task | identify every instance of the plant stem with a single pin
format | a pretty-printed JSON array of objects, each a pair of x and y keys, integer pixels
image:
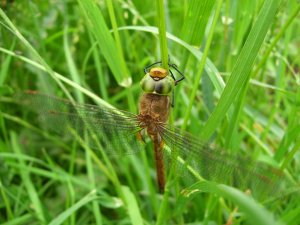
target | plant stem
[{"x": 162, "y": 33}]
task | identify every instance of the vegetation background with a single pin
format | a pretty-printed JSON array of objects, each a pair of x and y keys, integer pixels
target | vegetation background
[{"x": 95, "y": 51}]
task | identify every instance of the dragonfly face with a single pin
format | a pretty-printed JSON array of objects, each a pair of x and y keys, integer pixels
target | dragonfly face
[{"x": 157, "y": 81}]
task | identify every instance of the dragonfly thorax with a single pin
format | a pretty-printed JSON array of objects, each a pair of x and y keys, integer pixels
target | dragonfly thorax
[{"x": 154, "y": 111}]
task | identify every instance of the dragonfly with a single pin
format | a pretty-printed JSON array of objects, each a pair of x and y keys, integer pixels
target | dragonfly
[{"x": 121, "y": 132}]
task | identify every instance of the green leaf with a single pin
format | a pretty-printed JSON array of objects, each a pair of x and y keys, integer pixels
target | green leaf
[
  {"x": 64, "y": 215},
  {"x": 30, "y": 188},
  {"x": 195, "y": 20},
  {"x": 106, "y": 42},
  {"x": 255, "y": 213},
  {"x": 132, "y": 206},
  {"x": 241, "y": 71}
]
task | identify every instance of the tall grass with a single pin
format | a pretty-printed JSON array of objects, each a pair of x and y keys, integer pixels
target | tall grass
[{"x": 241, "y": 91}]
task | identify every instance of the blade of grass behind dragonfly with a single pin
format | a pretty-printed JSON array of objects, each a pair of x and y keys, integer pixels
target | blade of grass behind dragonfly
[
  {"x": 102, "y": 82},
  {"x": 124, "y": 192},
  {"x": 72, "y": 66},
  {"x": 291, "y": 135},
  {"x": 5, "y": 64},
  {"x": 280, "y": 33},
  {"x": 162, "y": 33},
  {"x": 92, "y": 183},
  {"x": 279, "y": 84},
  {"x": 196, "y": 16},
  {"x": 132, "y": 206},
  {"x": 195, "y": 21},
  {"x": 59, "y": 77},
  {"x": 28, "y": 183},
  {"x": 107, "y": 44},
  {"x": 62, "y": 217},
  {"x": 256, "y": 214},
  {"x": 109, "y": 171},
  {"x": 127, "y": 80},
  {"x": 241, "y": 71},
  {"x": 34, "y": 52},
  {"x": 200, "y": 69}
]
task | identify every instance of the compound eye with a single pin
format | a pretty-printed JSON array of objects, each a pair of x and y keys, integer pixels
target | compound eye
[
  {"x": 148, "y": 84},
  {"x": 163, "y": 87}
]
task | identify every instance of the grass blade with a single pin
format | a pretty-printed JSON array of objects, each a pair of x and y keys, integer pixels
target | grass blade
[
  {"x": 256, "y": 214},
  {"x": 195, "y": 21},
  {"x": 33, "y": 195},
  {"x": 201, "y": 66},
  {"x": 241, "y": 71},
  {"x": 132, "y": 206},
  {"x": 106, "y": 42},
  {"x": 162, "y": 33},
  {"x": 64, "y": 215}
]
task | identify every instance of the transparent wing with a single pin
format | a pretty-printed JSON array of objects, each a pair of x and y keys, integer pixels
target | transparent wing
[
  {"x": 116, "y": 130},
  {"x": 217, "y": 165}
]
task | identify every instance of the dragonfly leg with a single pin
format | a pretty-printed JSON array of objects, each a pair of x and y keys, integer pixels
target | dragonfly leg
[
  {"x": 178, "y": 71},
  {"x": 146, "y": 70},
  {"x": 140, "y": 137}
]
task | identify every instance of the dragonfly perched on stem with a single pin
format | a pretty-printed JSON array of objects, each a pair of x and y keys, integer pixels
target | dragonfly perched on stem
[{"x": 121, "y": 132}]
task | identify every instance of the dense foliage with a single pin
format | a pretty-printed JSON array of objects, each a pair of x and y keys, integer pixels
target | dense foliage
[{"x": 241, "y": 61}]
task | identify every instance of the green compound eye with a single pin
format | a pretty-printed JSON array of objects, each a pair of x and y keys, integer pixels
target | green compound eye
[
  {"x": 162, "y": 86},
  {"x": 147, "y": 84}
]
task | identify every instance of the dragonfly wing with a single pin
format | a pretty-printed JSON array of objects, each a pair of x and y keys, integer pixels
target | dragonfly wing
[
  {"x": 217, "y": 165},
  {"x": 113, "y": 130}
]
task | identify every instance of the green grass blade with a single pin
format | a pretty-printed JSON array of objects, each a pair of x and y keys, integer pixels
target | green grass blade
[
  {"x": 35, "y": 53},
  {"x": 99, "y": 68},
  {"x": 72, "y": 66},
  {"x": 132, "y": 207},
  {"x": 24, "y": 219},
  {"x": 201, "y": 66},
  {"x": 30, "y": 188},
  {"x": 162, "y": 33},
  {"x": 241, "y": 71},
  {"x": 255, "y": 213},
  {"x": 106, "y": 42},
  {"x": 5, "y": 198},
  {"x": 91, "y": 175},
  {"x": 195, "y": 21},
  {"x": 67, "y": 213},
  {"x": 277, "y": 38},
  {"x": 61, "y": 78},
  {"x": 5, "y": 66}
]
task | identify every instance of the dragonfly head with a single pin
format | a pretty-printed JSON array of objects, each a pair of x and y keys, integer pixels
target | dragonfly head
[{"x": 157, "y": 81}]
